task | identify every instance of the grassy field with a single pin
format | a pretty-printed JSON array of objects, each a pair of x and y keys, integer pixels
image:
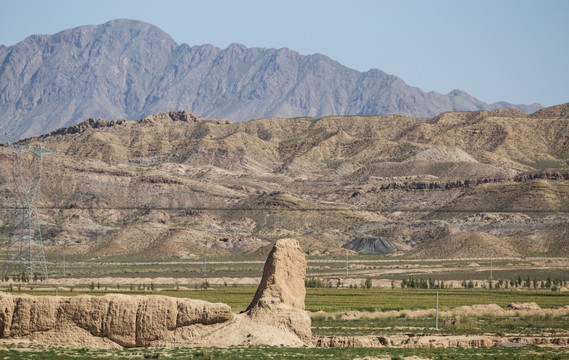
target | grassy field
[
  {"x": 376, "y": 267},
  {"x": 332, "y": 302},
  {"x": 20, "y": 352},
  {"x": 523, "y": 325},
  {"x": 346, "y": 299},
  {"x": 326, "y": 304}
]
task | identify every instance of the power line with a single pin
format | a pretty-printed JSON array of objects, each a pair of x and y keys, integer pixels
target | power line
[{"x": 284, "y": 209}]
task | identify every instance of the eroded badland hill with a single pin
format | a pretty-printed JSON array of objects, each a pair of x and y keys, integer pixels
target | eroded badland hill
[{"x": 462, "y": 184}]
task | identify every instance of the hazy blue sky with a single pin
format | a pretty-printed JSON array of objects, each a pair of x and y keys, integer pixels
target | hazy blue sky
[{"x": 511, "y": 50}]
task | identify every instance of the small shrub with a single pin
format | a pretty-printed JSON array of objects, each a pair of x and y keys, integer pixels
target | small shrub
[
  {"x": 313, "y": 283},
  {"x": 203, "y": 354}
]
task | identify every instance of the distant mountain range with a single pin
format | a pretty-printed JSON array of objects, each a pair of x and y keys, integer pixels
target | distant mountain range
[{"x": 128, "y": 69}]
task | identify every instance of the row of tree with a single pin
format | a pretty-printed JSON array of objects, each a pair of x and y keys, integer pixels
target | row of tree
[
  {"x": 420, "y": 283},
  {"x": 412, "y": 283},
  {"x": 23, "y": 277},
  {"x": 523, "y": 284}
]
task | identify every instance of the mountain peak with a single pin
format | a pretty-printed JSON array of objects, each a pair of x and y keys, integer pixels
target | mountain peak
[
  {"x": 236, "y": 46},
  {"x": 132, "y": 26},
  {"x": 458, "y": 92},
  {"x": 118, "y": 30},
  {"x": 128, "y": 69}
]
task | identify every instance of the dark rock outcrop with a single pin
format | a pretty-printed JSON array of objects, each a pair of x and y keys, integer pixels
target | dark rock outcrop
[
  {"x": 372, "y": 245},
  {"x": 546, "y": 174}
]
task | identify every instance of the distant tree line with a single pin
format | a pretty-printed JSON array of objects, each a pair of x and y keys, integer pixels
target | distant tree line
[
  {"x": 412, "y": 283},
  {"x": 528, "y": 283},
  {"x": 518, "y": 283}
]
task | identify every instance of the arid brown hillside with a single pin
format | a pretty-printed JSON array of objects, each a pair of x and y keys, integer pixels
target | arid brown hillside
[{"x": 171, "y": 183}]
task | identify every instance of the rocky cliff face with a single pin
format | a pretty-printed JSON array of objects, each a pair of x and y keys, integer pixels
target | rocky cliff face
[
  {"x": 127, "y": 321},
  {"x": 129, "y": 69},
  {"x": 276, "y": 316},
  {"x": 279, "y": 300}
]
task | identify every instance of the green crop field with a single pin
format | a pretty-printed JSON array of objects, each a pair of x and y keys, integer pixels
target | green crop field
[
  {"x": 24, "y": 352},
  {"x": 346, "y": 299},
  {"x": 374, "y": 266},
  {"x": 332, "y": 300},
  {"x": 328, "y": 305},
  {"x": 523, "y": 325}
]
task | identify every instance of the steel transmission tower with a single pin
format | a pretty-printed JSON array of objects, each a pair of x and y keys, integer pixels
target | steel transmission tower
[{"x": 25, "y": 255}]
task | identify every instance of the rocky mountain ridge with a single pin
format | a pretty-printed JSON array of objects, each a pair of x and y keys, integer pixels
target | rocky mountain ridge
[{"x": 128, "y": 69}]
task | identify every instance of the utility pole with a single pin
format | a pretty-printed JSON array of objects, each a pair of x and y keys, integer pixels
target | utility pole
[
  {"x": 490, "y": 267},
  {"x": 64, "y": 248},
  {"x": 205, "y": 259},
  {"x": 347, "y": 267},
  {"x": 437, "y": 313}
]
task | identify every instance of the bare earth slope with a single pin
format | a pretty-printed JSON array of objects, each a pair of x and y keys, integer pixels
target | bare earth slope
[{"x": 495, "y": 181}]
